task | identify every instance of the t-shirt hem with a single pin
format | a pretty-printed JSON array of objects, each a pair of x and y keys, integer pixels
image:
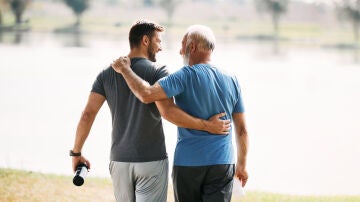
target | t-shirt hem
[
  {"x": 138, "y": 159},
  {"x": 203, "y": 163},
  {"x": 98, "y": 92}
]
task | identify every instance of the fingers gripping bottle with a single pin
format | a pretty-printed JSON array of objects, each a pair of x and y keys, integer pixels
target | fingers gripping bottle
[{"x": 80, "y": 174}]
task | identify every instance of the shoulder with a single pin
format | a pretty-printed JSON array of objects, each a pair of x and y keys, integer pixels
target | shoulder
[
  {"x": 143, "y": 62},
  {"x": 105, "y": 71}
]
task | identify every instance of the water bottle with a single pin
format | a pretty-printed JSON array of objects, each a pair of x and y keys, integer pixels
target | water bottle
[
  {"x": 238, "y": 190},
  {"x": 80, "y": 174}
]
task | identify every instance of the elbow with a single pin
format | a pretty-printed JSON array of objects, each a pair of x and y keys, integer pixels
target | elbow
[
  {"x": 165, "y": 115},
  {"x": 87, "y": 116},
  {"x": 146, "y": 100},
  {"x": 241, "y": 132},
  {"x": 172, "y": 118},
  {"x": 146, "y": 97}
]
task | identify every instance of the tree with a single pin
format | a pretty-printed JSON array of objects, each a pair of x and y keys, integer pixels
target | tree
[
  {"x": 78, "y": 6},
  {"x": 1, "y": 19},
  {"x": 18, "y": 7},
  {"x": 2, "y": 5},
  {"x": 148, "y": 3},
  {"x": 276, "y": 8},
  {"x": 169, "y": 6},
  {"x": 350, "y": 10}
]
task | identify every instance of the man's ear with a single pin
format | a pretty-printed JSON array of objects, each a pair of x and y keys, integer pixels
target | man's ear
[
  {"x": 192, "y": 47},
  {"x": 145, "y": 40}
]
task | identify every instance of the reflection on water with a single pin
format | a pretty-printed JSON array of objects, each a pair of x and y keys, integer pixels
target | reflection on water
[
  {"x": 14, "y": 37},
  {"x": 301, "y": 106},
  {"x": 21, "y": 37},
  {"x": 71, "y": 40},
  {"x": 356, "y": 56}
]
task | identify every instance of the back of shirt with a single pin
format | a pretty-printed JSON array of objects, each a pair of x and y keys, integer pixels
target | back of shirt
[
  {"x": 137, "y": 133},
  {"x": 203, "y": 91}
]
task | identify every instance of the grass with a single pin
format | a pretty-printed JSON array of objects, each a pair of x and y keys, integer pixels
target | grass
[
  {"x": 16, "y": 185},
  {"x": 19, "y": 185}
]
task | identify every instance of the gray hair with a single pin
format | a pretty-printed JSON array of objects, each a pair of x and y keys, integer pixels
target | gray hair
[{"x": 202, "y": 35}]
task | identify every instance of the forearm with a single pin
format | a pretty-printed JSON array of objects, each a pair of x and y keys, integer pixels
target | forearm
[
  {"x": 140, "y": 88},
  {"x": 82, "y": 131},
  {"x": 178, "y": 117},
  {"x": 241, "y": 138},
  {"x": 242, "y": 146}
]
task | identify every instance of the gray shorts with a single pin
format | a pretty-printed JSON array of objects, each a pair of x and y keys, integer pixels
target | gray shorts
[{"x": 140, "y": 181}]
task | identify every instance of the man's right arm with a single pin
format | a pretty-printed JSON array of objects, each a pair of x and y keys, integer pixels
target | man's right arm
[
  {"x": 95, "y": 101},
  {"x": 242, "y": 146}
]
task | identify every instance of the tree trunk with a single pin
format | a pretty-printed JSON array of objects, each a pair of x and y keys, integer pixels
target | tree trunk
[
  {"x": 356, "y": 31},
  {"x": 356, "y": 22},
  {"x": 78, "y": 18},
  {"x": 275, "y": 19},
  {"x": 1, "y": 20},
  {"x": 18, "y": 18}
]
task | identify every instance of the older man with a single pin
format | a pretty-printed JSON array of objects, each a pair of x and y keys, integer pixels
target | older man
[{"x": 203, "y": 163}]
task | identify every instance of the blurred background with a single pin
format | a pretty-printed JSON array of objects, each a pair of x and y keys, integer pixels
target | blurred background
[{"x": 297, "y": 61}]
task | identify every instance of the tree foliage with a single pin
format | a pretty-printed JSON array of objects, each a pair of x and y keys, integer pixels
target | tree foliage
[
  {"x": 275, "y": 7},
  {"x": 169, "y": 6},
  {"x": 78, "y": 7},
  {"x": 350, "y": 10},
  {"x": 18, "y": 7},
  {"x": 272, "y": 6}
]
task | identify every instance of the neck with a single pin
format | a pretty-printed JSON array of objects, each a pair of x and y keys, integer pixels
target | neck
[
  {"x": 137, "y": 53},
  {"x": 200, "y": 58}
]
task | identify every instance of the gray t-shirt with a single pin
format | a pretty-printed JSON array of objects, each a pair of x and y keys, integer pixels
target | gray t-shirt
[{"x": 137, "y": 133}]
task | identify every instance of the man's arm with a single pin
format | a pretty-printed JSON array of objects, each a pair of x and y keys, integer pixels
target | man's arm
[
  {"x": 142, "y": 89},
  {"x": 177, "y": 116},
  {"x": 95, "y": 101},
  {"x": 242, "y": 147},
  {"x": 148, "y": 94}
]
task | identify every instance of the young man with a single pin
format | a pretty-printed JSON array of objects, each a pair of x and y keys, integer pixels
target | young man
[
  {"x": 139, "y": 165},
  {"x": 203, "y": 163}
]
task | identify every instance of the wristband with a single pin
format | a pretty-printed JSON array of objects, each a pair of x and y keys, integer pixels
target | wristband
[{"x": 71, "y": 153}]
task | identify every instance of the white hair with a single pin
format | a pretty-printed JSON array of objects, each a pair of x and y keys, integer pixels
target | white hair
[{"x": 202, "y": 35}]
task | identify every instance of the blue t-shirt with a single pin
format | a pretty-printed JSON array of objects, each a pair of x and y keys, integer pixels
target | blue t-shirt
[{"x": 203, "y": 91}]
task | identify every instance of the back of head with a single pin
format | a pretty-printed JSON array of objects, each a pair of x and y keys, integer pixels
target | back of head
[
  {"x": 142, "y": 28},
  {"x": 201, "y": 35}
]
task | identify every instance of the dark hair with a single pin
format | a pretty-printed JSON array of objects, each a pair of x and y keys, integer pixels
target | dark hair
[{"x": 140, "y": 29}]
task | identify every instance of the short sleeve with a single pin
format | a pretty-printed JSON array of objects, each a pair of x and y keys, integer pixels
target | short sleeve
[
  {"x": 161, "y": 72},
  {"x": 239, "y": 105},
  {"x": 98, "y": 85},
  {"x": 173, "y": 84}
]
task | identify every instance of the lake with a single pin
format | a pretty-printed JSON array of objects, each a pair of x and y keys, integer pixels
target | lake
[{"x": 302, "y": 107}]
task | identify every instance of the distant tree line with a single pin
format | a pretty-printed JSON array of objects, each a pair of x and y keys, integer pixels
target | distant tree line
[{"x": 347, "y": 10}]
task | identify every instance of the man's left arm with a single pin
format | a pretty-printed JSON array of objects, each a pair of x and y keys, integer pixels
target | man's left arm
[
  {"x": 177, "y": 116},
  {"x": 242, "y": 146},
  {"x": 141, "y": 89}
]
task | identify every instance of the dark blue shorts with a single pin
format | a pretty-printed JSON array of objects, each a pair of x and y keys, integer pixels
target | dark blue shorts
[{"x": 203, "y": 183}]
